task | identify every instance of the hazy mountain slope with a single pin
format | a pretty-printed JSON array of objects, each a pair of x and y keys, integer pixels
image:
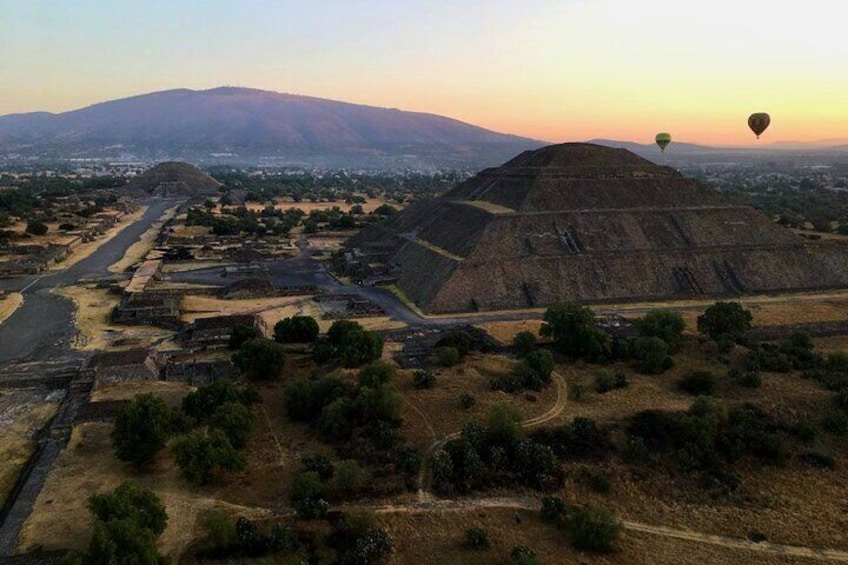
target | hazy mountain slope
[{"x": 246, "y": 122}]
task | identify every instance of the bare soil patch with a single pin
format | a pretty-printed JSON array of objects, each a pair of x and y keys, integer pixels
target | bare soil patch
[{"x": 9, "y": 304}]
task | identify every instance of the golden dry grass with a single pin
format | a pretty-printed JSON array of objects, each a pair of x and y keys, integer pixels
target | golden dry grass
[
  {"x": 22, "y": 413},
  {"x": 504, "y": 332},
  {"x": 92, "y": 317},
  {"x": 138, "y": 250},
  {"x": 179, "y": 267},
  {"x": 9, "y": 304},
  {"x": 437, "y": 410},
  {"x": 171, "y": 392},
  {"x": 437, "y": 538},
  {"x": 60, "y": 519},
  {"x": 87, "y": 249}
]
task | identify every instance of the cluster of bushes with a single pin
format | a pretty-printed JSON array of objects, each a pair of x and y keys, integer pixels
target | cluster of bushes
[
  {"x": 241, "y": 220},
  {"x": 494, "y": 454},
  {"x": 499, "y": 454},
  {"x": 352, "y": 540},
  {"x": 217, "y": 419},
  {"x": 360, "y": 419},
  {"x": 607, "y": 380},
  {"x": 707, "y": 437},
  {"x": 575, "y": 335},
  {"x": 320, "y": 480},
  {"x": 349, "y": 343},
  {"x": 226, "y": 537},
  {"x": 794, "y": 353},
  {"x": 586, "y": 528},
  {"x": 127, "y": 523},
  {"x": 533, "y": 372}
]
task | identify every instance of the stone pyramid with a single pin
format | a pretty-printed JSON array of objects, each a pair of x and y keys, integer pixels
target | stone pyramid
[{"x": 587, "y": 223}]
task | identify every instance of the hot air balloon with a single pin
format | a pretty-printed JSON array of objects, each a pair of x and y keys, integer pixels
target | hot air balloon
[
  {"x": 759, "y": 122},
  {"x": 663, "y": 139}
]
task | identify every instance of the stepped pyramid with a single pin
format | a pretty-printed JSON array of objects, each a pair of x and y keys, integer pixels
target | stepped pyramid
[{"x": 587, "y": 223}]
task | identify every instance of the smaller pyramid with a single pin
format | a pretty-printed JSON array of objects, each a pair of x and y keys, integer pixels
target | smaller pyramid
[{"x": 174, "y": 178}]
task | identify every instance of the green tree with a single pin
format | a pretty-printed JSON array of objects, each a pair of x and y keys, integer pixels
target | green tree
[
  {"x": 241, "y": 334},
  {"x": 349, "y": 477},
  {"x": 235, "y": 420},
  {"x": 523, "y": 555},
  {"x": 127, "y": 523},
  {"x": 524, "y": 343},
  {"x": 130, "y": 502},
  {"x": 652, "y": 353},
  {"x": 592, "y": 529},
  {"x": 504, "y": 423},
  {"x": 142, "y": 428},
  {"x": 202, "y": 457},
  {"x": 573, "y": 330},
  {"x": 203, "y": 402},
  {"x": 664, "y": 324},
  {"x": 477, "y": 538},
  {"x": 725, "y": 319},
  {"x": 297, "y": 329},
  {"x": 121, "y": 542},
  {"x": 307, "y": 495},
  {"x": 260, "y": 359},
  {"x": 36, "y": 228}
]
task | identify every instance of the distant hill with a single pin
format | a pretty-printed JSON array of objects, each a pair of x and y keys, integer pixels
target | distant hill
[{"x": 240, "y": 124}]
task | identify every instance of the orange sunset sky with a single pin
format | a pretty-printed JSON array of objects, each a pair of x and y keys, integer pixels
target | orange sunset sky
[{"x": 551, "y": 70}]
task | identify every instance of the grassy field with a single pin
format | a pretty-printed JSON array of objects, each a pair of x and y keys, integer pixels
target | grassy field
[{"x": 22, "y": 413}]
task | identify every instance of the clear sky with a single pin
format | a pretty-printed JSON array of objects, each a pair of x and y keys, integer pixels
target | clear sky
[{"x": 558, "y": 70}]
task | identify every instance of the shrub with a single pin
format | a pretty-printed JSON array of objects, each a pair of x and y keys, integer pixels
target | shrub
[
  {"x": 349, "y": 477},
  {"x": 477, "y": 538},
  {"x": 459, "y": 340},
  {"x": 203, "y": 402},
  {"x": 607, "y": 380},
  {"x": 664, "y": 324},
  {"x": 36, "y": 228},
  {"x": 599, "y": 482},
  {"x": 523, "y": 555},
  {"x": 698, "y": 383},
  {"x": 553, "y": 509},
  {"x": 203, "y": 457},
  {"x": 220, "y": 536},
  {"x": 307, "y": 496},
  {"x": 241, "y": 334},
  {"x": 446, "y": 356},
  {"x": 142, "y": 428},
  {"x": 836, "y": 424},
  {"x": 747, "y": 379},
  {"x": 235, "y": 420},
  {"x": 524, "y": 343},
  {"x": 423, "y": 379},
  {"x": 297, "y": 329},
  {"x": 652, "y": 353},
  {"x": 575, "y": 392},
  {"x": 129, "y": 501},
  {"x": 260, "y": 359},
  {"x": 320, "y": 464},
  {"x": 592, "y": 529},
  {"x": 466, "y": 401}
]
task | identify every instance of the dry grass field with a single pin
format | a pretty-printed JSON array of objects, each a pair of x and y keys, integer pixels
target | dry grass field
[
  {"x": 95, "y": 331},
  {"x": 437, "y": 538},
  {"x": 22, "y": 414},
  {"x": 9, "y": 304},
  {"x": 434, "y": 413}
]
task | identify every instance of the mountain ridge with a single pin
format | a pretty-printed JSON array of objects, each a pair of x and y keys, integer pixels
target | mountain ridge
[{"x": 185, "y": 123}]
